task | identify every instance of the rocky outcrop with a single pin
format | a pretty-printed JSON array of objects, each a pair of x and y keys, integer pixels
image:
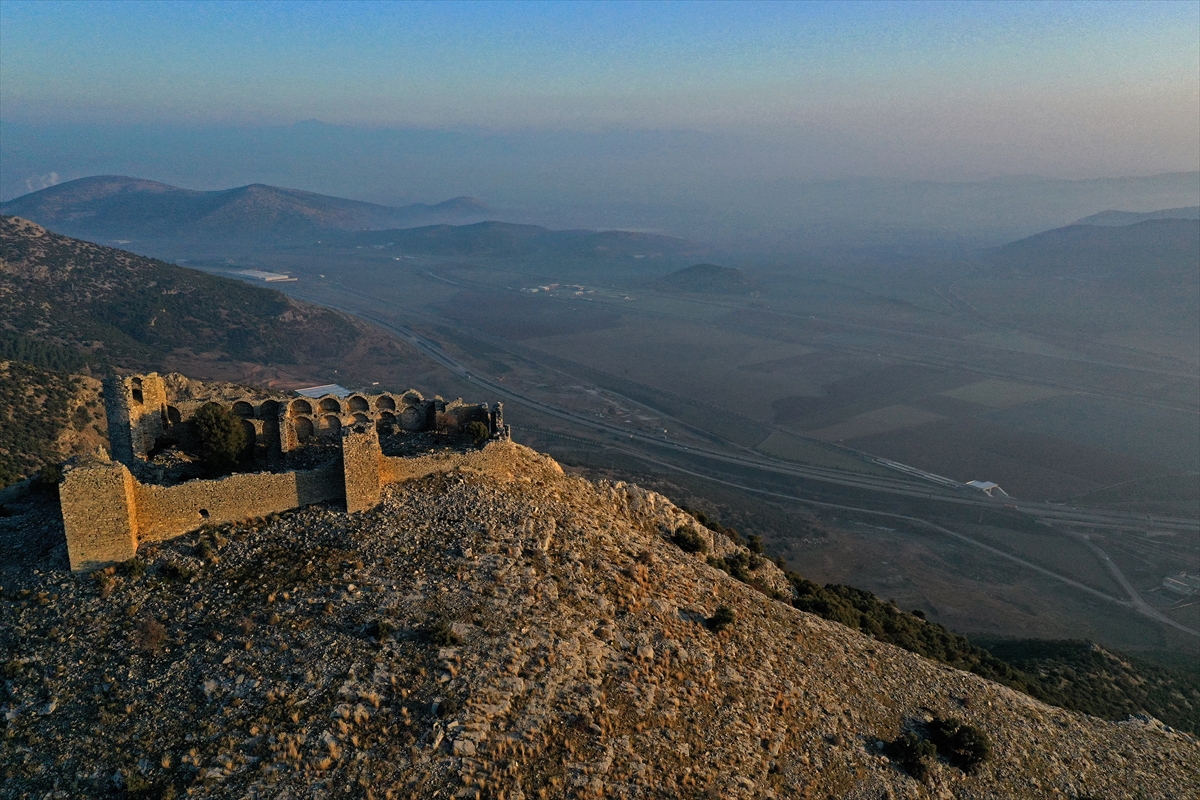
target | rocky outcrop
[{"x": 503, "y": 632}]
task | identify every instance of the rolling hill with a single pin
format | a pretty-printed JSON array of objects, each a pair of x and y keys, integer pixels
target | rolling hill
[
  {"x": 1148, "y": 254},
  {"x": 122, "y": 210},
  {"x": 705, "y": 279}
]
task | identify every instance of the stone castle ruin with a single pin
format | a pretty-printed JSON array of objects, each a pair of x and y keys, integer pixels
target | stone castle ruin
[{"x": 302, "y": 450}]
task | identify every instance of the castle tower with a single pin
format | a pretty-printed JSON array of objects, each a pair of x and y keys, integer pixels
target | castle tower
[
  {"x": 136, "y": 407},
  {"x": 361, "y": 463}
]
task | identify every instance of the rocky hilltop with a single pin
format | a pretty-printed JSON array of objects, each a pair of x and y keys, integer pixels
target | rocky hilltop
[{"x": 500, "y": 631}]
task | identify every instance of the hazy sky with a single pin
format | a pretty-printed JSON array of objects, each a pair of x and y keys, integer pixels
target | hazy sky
[{"x": 746, "y": 91}]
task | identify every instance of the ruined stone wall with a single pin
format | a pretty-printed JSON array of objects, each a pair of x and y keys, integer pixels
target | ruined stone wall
[
  {"x": 164, "y": 512},
  {"x": 107, "y": 512},
  {"x": 99, "y": 510}
]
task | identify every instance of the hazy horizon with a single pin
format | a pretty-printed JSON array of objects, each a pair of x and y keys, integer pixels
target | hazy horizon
[{"x": 727, "y": 120}]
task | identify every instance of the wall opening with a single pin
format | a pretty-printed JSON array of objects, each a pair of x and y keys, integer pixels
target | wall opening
[
  {"x": 362, "y": 419},
  {"x": 386, "y": 420},
  {"x": 243, "y": 409},
  {"x": 330, "y": 425},
  {"x": 204, "y": 513},
  {"x": 136, "y": 385},
  {"x": 304, "y": 428},
  {"x": 331, "y": 404},
  {"x": 173, "y": 417},
  {"x": 301, "y": 407},
  {"x": 357, "y": 403},
  {"x": 385, "y": 403}
]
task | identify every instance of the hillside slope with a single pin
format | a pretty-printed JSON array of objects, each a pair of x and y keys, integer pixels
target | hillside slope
[
  {"x": 504, "y": 631},
  {"x": 112, "y": 208},
  {"x": 128, "y": 309},
  {"x": 46, "y": 417},
  {"x": 1153, "y": 254}
]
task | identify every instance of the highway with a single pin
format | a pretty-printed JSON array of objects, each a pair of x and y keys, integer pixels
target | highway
[{"x": 1045, "y": 512}]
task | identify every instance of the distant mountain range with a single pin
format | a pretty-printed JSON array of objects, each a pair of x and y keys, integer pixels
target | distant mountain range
[
  {"x": 507, "y": 240},
  {"x": 122, "y": 210},
  {"x": 705, "y": 279},
  {"x": 1122, "y": 218}
]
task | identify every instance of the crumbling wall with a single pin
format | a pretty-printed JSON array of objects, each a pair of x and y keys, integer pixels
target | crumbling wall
[
  {"x": 361, "y": 463},
  {"x": 106, "y": 512},
  {"x": 99, "y": 510},
  {"x": 165, "y": 512}
]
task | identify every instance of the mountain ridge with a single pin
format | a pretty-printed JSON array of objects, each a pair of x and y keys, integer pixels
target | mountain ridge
[
  {"x": 116, "y": 208},
  {"x": 1121, "y": 218}
]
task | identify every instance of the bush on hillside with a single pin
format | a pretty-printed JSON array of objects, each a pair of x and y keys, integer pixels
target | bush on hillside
[
  {"x": 911, "y": 753},
  {"x": 220, "y": 437},
  {"x": 689, "y": 541},
  {"x": 964, "y": 746},
  {"x": 722, "y": 619}
]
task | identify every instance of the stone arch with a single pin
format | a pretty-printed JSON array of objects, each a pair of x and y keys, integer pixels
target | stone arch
[
  {"x": 411, "y": 398},
  {"x": 251, "y": 435},
  {"x": 304, "y": 428},
  {"x": 386, "y": 420},
  {"x": 269, "y": 409},
  {"x": 412, "y": 419},
  {"x": 362, "y": 419},
  {"x": 331, "y": 405},
  {"x": 300, "y": 407},
  {"x": 385, "y": 403},
  {"x": 135, "y": 385},
  {"x": 243, "y": 409},
  {"x": 173, "y": 416},
  {"x": 329, "y": 425},
  {"x": 357, "y": 403}
]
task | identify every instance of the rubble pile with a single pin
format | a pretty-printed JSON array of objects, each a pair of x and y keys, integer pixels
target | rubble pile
[{"x": 514, "y": 633}]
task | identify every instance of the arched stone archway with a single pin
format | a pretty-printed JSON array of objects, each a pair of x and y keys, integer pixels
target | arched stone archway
[
  {"x": 300, "y": 407},
  {"x": 385, "y": 403},
  {"x": 357, "y": 403},
  {"x": 329, "y": 425},
  {"x": 243, "y": 409},
  {"x": 331, "y": 405},
  {"x": 304, "y": 428}
]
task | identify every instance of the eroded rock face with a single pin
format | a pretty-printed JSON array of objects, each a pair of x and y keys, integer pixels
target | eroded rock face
[{"x": 499, "y": 632}]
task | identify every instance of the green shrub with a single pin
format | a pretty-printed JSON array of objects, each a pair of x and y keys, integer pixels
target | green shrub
[
  {"x": 689, "y": 541},
  {"x": 220, "y": 437},
  {"x": 478, "y": 432},
  {"x": 380, "y": 629},
  {"x": 722, "y": 619},
  {"x": 964, "y": 746},
  {"x": 911, "y": 753},
  {"x": 442, "y": 633},
  {"x": 176, "y": 571}
]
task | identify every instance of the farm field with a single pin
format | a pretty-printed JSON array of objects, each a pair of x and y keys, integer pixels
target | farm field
[{"x": 781, "y": 445}]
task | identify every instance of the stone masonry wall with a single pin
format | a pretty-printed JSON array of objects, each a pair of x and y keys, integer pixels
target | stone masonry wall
[
  {"x": 164, "y": 512},
  {"x": 99, "y": 509},
  {"x": 107, "y": 512}
]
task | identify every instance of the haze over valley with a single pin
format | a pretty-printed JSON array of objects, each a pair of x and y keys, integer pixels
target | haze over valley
[{"x": 818, "y": 329}]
